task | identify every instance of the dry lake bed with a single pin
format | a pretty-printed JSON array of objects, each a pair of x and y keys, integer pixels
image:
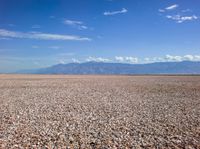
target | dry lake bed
[{"x": 80, "y": 111}]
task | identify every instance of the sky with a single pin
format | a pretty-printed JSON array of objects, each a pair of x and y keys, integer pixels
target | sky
[{"x": 40, "y": 33}]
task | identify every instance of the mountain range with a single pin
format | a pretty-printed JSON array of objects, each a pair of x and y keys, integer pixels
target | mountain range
[{"x": 184, "y": 67}]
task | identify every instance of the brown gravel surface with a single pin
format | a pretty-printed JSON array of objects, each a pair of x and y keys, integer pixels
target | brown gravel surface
[{"x": 58, "y": 111}]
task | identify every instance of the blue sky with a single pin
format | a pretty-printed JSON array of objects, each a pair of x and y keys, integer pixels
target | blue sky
[{"x": 41, "y": 33}]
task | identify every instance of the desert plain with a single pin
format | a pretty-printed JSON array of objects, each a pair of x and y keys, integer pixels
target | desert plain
[{"x": 106, "y": 112}]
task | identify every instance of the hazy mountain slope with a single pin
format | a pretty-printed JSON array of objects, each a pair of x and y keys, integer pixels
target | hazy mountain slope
[{"x": 185, "y": 67}]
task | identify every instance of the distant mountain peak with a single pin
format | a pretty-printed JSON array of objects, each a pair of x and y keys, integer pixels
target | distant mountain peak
[{"x": 92, "y": 67}]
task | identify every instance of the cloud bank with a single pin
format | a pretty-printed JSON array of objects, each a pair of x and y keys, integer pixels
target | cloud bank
[
  {"x": 97, "y": 59},
  {"x": 126, "y": 59},
  {"x": 173, "y": 58}
]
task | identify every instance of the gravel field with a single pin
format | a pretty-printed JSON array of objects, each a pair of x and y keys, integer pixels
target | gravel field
[{"x": 72, "y": 111}]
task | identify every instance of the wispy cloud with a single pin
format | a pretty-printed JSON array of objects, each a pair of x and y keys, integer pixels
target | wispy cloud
[
  {"x": 78, "y": 24},
  {"x": 35, "y": 26},
  {"x": 171, "y": 7},
  {"x": 11, "y": 25},
  {"x": 181, "y": 19},
  {"x": 127, "y": 59},
  {"x": 40, "y": 36},
  {"x": 55, "y": 47},
  {"x": 181, "y": 16},
  {"x": 50, "y": 47},
  {"x": 186, "y": 10},
  {"x": 36, "y": 63},
  {"x": 161, "y": 10},
  {"x": 65, "y": 54},
  {"x": 5, "y": 38},
  {"x": 35, "y": 47},
  {"x": 52, "y": 17},
  {"x": 97, "y": 59},
  {"x": 71, "y": 22},
  {"x": 109, "y": 13}
]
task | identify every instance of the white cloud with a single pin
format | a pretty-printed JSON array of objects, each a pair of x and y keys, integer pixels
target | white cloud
[
  {"x": 83, "y": 27},
  {"x": 35, "y": 47},
  {"x": 189, "y": 57},
  {"x": 172, "y": 7},
  {"x": 147, "y": 59},
  {"x": 126, "y": 59},
  {"x": 119, "y": 58},
  {"x": 55, "y": 47},
  {"x": 159, "y": 59},
  {"x": 36, "y": 26},
  {"x": 181, "y": 19},
  {"x": 161, "y": 10},
  {"x": 97, "y": 59},
  {"x": 75, "y": 60},
  {"x": 173, "y": 58},
  {"x": 12, "y": 34},
  {"x": 132, "y": 59},
  {"x": 109, "y": 13},
  {"x": 71, "y": 22},
  {"x": 40, "y": 36},
  {"x": 196, "y": 57},
  {"x": 78, "y": 24},
  {"x": 61, "y": 61},
  {"x": 186, "y": 58}
]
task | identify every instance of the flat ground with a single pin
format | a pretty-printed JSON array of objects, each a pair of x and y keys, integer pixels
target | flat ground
[{"x": 57, "y": 111}]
